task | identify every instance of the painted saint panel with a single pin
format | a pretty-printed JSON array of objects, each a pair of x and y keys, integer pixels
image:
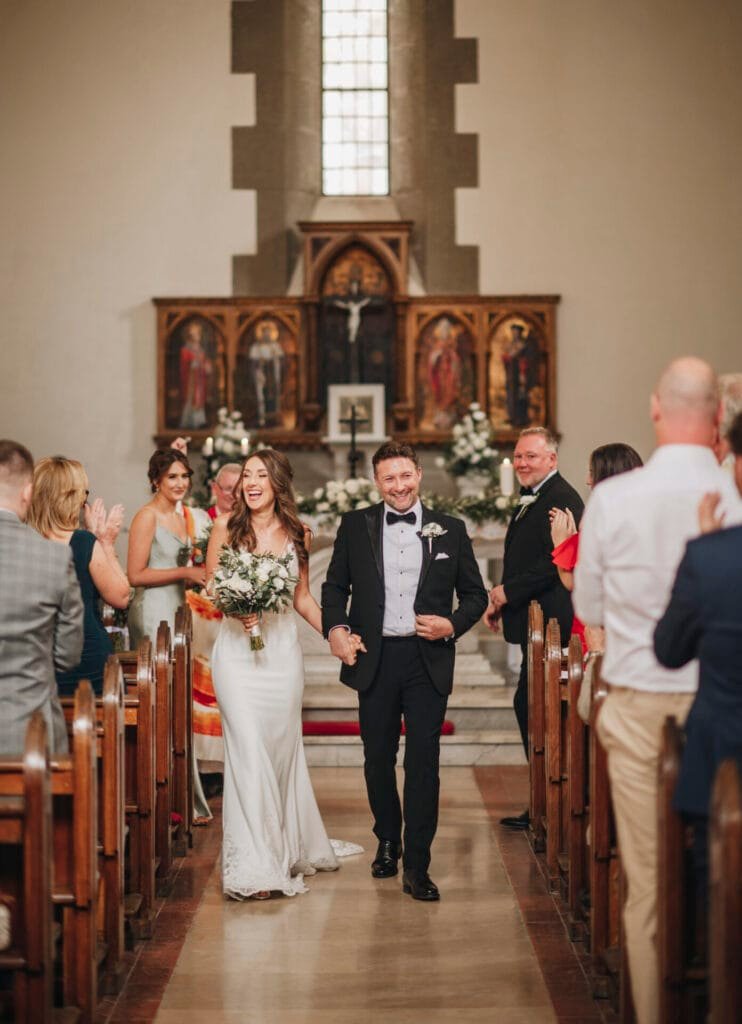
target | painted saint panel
[
  {"x": 195, "y": 374},
  {"x": 517, "y": 375},
  {"x": 446, "y": 376},
  {"x": 265, "y": 375}
]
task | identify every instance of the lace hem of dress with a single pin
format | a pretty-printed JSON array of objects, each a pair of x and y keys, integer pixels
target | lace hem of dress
[{"x": 240, "y": 881}]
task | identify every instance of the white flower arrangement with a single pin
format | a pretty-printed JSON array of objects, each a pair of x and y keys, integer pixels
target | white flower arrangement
[
  {"x": 471, "y": 447},
  {"x": 339, "y": 496},
  {"x": 246, "y": 583}
]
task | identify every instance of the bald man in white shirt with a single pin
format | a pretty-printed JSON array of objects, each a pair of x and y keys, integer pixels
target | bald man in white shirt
[{"x": 632, "y": 538}]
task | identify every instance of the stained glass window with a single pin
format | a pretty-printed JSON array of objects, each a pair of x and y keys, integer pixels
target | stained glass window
[{"x": 355, "y": 98}]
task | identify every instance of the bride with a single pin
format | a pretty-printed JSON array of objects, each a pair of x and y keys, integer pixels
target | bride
[{"x": 272, "y": 830}]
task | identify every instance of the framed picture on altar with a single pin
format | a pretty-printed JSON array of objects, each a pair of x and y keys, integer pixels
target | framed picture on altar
[{"x": 368, "y": 402}]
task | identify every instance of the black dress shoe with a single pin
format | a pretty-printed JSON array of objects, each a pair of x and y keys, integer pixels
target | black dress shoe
[
  {"x": 522, "y": 821},
  {"x": 419, "y": 885},
  {"x": 387, "y": 855}
]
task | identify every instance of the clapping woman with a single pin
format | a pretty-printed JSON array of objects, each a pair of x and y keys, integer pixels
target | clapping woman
[{"x": 60, "y": 494}]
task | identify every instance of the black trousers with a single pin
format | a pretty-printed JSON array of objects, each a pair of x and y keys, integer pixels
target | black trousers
[
  {"x": 402, "y": 687},
  {"x": 520, "y": 699}
]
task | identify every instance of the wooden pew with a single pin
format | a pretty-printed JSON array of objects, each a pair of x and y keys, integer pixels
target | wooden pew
[
  {"x": 139, "y": 748},
  {"x": 725, "y": 885},
  {"x": 26, "y": 877},
  {"x": 75, "y": 869},
  {"x": 109, "y": 734},
  {"x": 578, "y": 798},
  {"x": 163, "y": 754},
  {"x": 554, "y": 747},
  {"x": 183, "y": 727},
  {"x": 536, "y": 727},
  {"x": 681, "y": 929},
  {"x": 604, "y": 866}
]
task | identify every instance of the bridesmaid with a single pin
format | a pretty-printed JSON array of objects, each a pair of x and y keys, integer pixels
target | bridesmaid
[
  {"x": 60, "y": 494},
  {"x": 157, "y": 563}
]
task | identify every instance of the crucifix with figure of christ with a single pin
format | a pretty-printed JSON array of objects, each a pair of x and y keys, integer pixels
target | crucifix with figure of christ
[{"x": 353, "y": 422}]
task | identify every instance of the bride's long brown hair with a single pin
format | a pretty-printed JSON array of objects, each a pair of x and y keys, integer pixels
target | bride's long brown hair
[{"x": 239, "y": 525}]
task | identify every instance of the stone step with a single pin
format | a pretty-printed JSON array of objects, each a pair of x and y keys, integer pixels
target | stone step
[
  {"x": 481, "y": 746},
  {"x": 470, "y": 670},
  {"x": 469, "y": 707}
]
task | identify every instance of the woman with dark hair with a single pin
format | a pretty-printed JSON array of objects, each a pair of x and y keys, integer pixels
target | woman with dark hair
[
  {"x": 606, "y": 461},
  {"x": 272, "y": 831},
  {"x": 157, "y": 564},
  {"x": 158, "y": 542},
  {"x": 60, "y": 495}
]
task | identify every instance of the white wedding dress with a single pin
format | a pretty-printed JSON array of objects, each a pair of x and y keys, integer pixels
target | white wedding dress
[{"x": 272, "y": 830}]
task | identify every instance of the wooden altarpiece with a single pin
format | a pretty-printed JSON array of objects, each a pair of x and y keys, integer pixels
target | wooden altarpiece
[{"x": 273, "y": 358}]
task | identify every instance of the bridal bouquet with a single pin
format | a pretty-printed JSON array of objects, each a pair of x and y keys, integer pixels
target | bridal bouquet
[{"x": 246, "y": 583}]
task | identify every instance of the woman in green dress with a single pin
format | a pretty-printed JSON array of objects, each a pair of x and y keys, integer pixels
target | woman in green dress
[{"x": 157, "y": 563}]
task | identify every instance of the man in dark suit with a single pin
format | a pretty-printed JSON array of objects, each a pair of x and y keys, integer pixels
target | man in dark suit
[
  {"x": 401, "y": 564},
  {"x": 528, "y": 571},
  {"x": 41, "y": 613}
]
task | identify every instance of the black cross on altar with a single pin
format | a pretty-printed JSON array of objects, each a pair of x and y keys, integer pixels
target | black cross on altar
[{"x": 354, "y": 455}]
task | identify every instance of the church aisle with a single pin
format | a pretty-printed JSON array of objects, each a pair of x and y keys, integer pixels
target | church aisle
[{"x": 354, "y": 950}]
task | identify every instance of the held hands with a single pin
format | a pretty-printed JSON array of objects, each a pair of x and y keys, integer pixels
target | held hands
[
  {"x": 433, "y": 627},
  {"x": 562, "y": 525},
  {"x": 709, "y": 517},
  {"x": 105, "y": 527},
  {"x": 345, "y": 645},
  {"x": 492, "y": 617}
]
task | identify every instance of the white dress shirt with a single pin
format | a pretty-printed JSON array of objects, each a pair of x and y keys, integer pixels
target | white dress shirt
[
  {"x": 403, "y": 559},
  {"x": 632, "y": 537}
]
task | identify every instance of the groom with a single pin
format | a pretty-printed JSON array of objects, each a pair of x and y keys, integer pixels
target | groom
[{"x": 400, "y": 564}]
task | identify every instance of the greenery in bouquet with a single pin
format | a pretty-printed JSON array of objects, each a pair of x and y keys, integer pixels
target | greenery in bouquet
[
  {"x": 471, "y": 447},
  {"x": 246, "y": 583},
  {"x": 338, "y": 496}
]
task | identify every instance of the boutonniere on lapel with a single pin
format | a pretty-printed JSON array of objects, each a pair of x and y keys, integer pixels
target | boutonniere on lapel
[
  {"x": 430, "y": 532},
  {"x": 524, "y": 503}
]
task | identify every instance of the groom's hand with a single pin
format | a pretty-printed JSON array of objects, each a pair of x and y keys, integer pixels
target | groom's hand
[{"x": 433, "y": 627}]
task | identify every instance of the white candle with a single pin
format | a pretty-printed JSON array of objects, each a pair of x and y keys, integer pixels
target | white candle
[
  {"x": 208, "y": 448},
  {"x": 245, "y": 445},
  {"x": 507, "y": 478}
]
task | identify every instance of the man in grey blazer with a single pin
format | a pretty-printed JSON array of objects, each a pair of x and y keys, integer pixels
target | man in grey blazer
[{"x": 41, "y": 612}]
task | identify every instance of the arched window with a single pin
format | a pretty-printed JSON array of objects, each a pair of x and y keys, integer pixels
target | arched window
[{"x": 355, "y": 98}]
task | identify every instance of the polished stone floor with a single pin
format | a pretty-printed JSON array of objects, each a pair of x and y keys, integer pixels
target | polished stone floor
[{"x": 354, "y": 950}]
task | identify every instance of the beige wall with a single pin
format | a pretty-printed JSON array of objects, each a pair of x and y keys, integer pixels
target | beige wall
[
  {"x": 115, "y": 163},
  {"x": 610, "y": 151},
  {"x": 610, "y": 167}
]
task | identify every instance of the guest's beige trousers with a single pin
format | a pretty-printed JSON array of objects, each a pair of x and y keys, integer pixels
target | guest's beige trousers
[{"x": 630, "y": 728}]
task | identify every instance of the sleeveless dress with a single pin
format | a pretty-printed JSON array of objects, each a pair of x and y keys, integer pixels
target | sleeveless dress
[
  {"x": 97, "y": 645},
  {"x": 272, "y": 830},
  {"x": 153, "y": 604}
]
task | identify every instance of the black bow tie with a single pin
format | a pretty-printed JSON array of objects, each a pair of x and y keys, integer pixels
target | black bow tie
[
  {"x": 405, "y": 517},
  {"x": 526, "y": 490}
]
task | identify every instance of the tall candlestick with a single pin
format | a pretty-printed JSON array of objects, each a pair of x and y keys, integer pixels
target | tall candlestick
[
  {"x": 244, "y": 446},
  {"x": 208, "y": 448},
  {"x": 507, "y": 478}
]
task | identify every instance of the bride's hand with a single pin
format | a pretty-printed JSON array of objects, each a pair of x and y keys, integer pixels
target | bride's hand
[{"x": 248, "y": 621}]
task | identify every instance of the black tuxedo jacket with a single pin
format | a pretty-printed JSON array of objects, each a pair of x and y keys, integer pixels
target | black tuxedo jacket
[
  {"x": 703, "y": 620},
  {"x": 356, "y": 570},
  {"x": 528, "y": 572}
]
